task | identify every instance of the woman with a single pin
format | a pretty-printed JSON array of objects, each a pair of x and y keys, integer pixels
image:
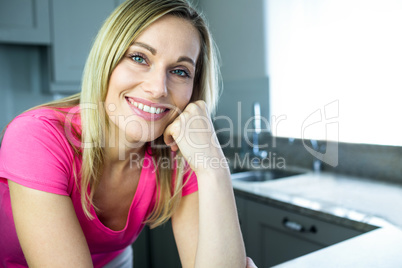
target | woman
[{"x": 81, "y": 176}]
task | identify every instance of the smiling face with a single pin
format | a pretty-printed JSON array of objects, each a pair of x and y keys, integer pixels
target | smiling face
[{"x": 154, "y": 80}]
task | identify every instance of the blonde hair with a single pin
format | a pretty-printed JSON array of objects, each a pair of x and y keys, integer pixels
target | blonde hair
[{"x": 118, "y": 32}]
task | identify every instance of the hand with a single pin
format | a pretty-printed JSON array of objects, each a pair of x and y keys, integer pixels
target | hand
[
  {"x": 250, "y": 263},
  {"x": 193, "y": 133}
]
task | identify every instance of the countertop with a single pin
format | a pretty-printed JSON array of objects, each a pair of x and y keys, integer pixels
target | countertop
[{"x": 359, "y": 203}]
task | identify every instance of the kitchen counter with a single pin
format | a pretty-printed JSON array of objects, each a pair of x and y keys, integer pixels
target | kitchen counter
[
  {"x": 378, "y": 248},
  {"x": 354, "y": 202}
]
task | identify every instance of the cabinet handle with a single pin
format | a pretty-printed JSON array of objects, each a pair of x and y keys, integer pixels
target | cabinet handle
[{"x": 297, "y": 227}]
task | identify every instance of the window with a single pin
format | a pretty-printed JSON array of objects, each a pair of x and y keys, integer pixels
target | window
[{"x": 335, "y": 69}]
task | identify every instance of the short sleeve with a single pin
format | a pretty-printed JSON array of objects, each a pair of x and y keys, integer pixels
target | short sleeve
[
  {"x": 190, "y": 183},
  {"x": 35, "y": 154}
]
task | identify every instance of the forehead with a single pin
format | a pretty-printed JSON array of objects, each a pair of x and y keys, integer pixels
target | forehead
[{"x": 171, "y": 34}]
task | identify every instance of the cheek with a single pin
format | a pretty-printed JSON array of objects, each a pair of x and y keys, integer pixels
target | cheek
[
  {"x": 122, "y": 78},
  {"x": 113, "y": 88},
  {"x": 184, "y": 98}
]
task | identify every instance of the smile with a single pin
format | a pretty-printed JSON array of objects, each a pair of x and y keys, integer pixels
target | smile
[{"x": 147, "y": 110}]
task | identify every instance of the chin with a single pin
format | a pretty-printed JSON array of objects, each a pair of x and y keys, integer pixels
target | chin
[{"x": 135, "y": 136}]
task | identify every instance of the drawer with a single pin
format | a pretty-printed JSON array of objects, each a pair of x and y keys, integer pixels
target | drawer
[{"x": 297, "y": 225}]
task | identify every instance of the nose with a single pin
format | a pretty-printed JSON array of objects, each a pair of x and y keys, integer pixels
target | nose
[{"x": 156, "y": 84}]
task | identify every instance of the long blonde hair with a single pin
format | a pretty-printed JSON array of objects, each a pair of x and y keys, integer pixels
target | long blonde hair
[{"x": 118, "y": 32}]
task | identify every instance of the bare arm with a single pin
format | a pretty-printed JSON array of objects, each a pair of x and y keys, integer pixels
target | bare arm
[
  {"x": 185, "y": 229},
  {"x": 220, "y": 236},
  {"x": 218, "y": 226},
  {"x": 220, "y": 242},
  {"x": 48, "y": 229}
]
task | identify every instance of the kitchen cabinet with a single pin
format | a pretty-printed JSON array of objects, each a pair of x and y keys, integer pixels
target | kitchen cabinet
[
  {"x": 66, "y": 28},
  {"x": 141, "y": 250},
  {"x": 271, "y": 235},
  {"x": 275, "y": 235},
  {"x": 25, "y": 22},
  {"x": 156, "y": 248},
  {"x": 75, "y": 25},
  {"x": 242, "y": 213},
  {"x": 163, "y": 247}
]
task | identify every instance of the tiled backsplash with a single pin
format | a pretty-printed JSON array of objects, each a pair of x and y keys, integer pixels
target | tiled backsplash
[{"x": 362, "y": 160}]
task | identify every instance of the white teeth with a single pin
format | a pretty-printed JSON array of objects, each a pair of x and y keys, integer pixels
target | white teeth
[{"x": 146, "y": 108}]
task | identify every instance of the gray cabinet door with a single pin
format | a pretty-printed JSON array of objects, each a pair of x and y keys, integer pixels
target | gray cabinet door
[
  {"x": 24, "y": 21},
  {"x": 141, "y": 250},
  {"x": 268, "y": 245},
  {"x": 271, "y": 246},
  {"x": 75, "y": 25},
  {"x": 242, "y": 213},
  {"x": 275, "y": 235},
  {"x": 156, "y": 248},
  {"x": 163, "y": 247}
]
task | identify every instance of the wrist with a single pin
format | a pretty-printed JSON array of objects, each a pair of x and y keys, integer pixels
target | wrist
[{"x": 210, "y": 165}]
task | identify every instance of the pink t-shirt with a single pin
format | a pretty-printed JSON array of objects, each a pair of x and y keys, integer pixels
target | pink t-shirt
[{"x": 35, "y": 153}]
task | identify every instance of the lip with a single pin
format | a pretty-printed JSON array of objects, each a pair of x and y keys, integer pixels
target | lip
[
  {"x": 149, "y": 103},
  {"x": 145, "y": 115}
]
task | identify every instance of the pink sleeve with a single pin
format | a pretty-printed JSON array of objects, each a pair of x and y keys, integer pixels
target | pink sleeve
[
  {"x": 35, "y": 154},
  {"x": 191, "y": 185}
]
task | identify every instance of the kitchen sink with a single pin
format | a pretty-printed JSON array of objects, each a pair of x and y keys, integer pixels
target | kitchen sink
[{"x": 263, "y": 175}]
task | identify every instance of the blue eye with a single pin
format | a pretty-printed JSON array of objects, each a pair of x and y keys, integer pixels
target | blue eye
[
  {"x": 180, "y": 72},
  {"x": 138, "y": 59}
]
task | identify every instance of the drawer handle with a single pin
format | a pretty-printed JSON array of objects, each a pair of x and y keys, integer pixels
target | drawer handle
[{"x": 297, "y": 227}]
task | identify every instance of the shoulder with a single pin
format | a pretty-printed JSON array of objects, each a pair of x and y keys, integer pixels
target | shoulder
[
  {"x": 36, "y": 151},
  {"x": 31, "y": 123},
  {"x": 52, "y": 116},
  {"x": 46, "y": 122}
]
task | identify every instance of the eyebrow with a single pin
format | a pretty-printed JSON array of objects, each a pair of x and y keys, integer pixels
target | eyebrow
[
  {"x": 151, "y": 49},
  {"x": 186, "y": 59},
  {"x": 154, "y": 51}
]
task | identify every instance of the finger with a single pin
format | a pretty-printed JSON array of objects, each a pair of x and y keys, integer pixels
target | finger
[
  {"x": 250, "y": 263},
  {"x": 174, "y": 147},
  {"x": 171, "y": 132},
  {"x": 169, "y": 141},
  {"x": 202, "y": 104},
  {"x": 175, "y": 131}
]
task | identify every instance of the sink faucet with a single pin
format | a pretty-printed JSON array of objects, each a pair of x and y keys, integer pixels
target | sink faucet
[
  {"x": 317, "y": 163},
  {"x": 257, "y": 131}
]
